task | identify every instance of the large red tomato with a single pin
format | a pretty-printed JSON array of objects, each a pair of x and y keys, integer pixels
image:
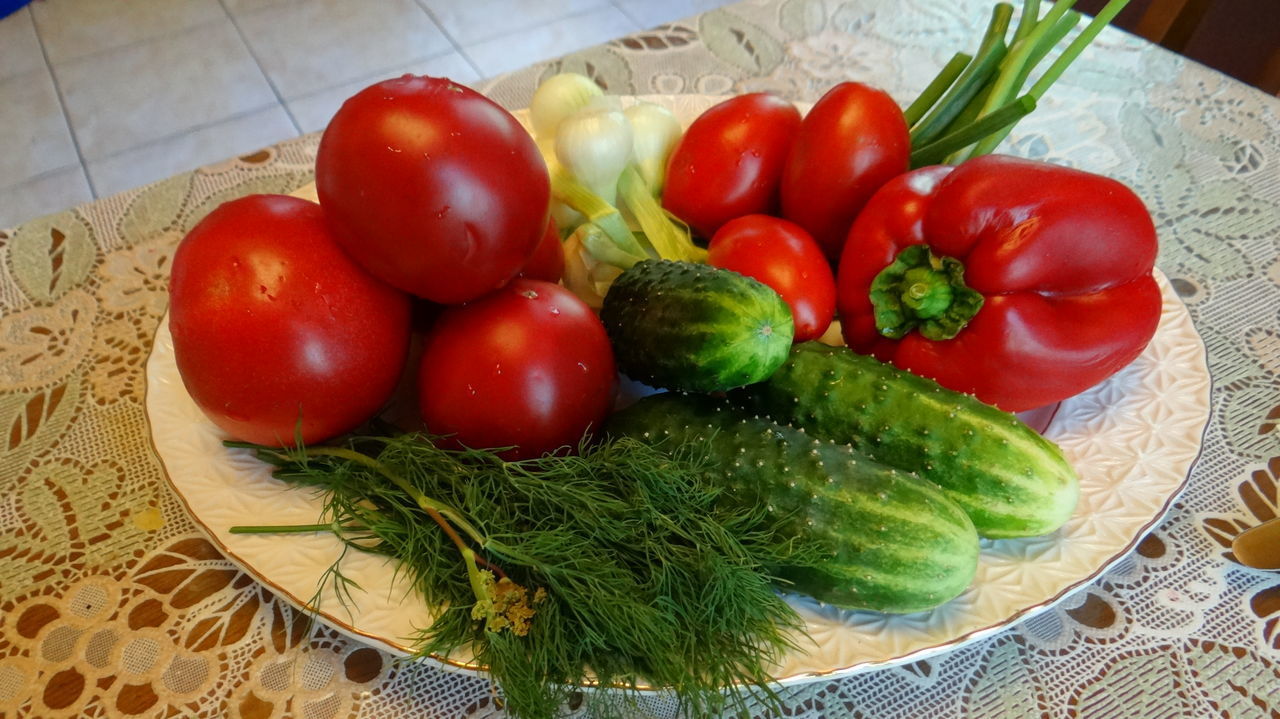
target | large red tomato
[
  {"x": 854, "y": 140},
  {"x": 783, "y": 256},
  {"x": 729, "y": 162},
  {"x": 528, "y": 366},
  {"x": 272, "y": 323},
  {"x": 432, "y": 187}
]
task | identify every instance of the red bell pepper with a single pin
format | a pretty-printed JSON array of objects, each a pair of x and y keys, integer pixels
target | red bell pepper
[{"x": 1018, "y": 281}]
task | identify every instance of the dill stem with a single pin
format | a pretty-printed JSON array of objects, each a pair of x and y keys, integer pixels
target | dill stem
[
  {"x": 282, "y": 528},
  {"x": 442, "y": 514},
  {"x": 428, "y": 505}
]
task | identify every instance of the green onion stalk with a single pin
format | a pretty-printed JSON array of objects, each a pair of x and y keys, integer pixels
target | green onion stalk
[{"x": 976, "y": 100}]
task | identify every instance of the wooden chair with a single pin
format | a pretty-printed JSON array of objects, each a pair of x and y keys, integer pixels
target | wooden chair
[{"x": 1172, "y": 23}]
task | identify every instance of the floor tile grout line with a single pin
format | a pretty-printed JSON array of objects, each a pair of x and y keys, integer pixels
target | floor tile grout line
[
  {"x": 187, "y": 131},
  {"x": 457, "y": 46},
  {"x": 571, "y": 16},
  {"x": 62, "y": 103},
  {"x": 44, "y": 175},
  {"x": 380, "y": 74},
  {"x": 128, "y": 45},
  {"x": 265, "y": 75},
  {"x": 623, "y": 9},
  {"x": 560, "y": 53}
]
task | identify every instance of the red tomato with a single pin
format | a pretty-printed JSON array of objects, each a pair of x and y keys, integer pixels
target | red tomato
[
  {"x": 729, "y": 162},
  {"x": 528, "y": 366},
  {"x": 272, "y": 322},
  {"x": 853, "y": 141},
  {"x": 432, "y": 187},
  {"x": 783, "y": 256},
  {"x": 547, "y": 262}
]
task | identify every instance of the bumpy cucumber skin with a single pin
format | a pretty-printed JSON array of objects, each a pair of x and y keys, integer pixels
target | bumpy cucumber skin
[
  {"x": 694, "y": 327},
  {"x": 894, "y": 542},
  {"x": 1011, "y": 481}
]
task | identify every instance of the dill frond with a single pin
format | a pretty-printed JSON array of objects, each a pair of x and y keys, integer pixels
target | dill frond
[{"x": 615, "y": 567}]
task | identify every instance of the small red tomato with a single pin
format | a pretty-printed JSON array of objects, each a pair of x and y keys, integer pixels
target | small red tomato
[
  {"x": 432, "y": 187},
  {"x": 729, "y": 162},
  {"x": 854, "y": 140},
  {"x": 528, "y": 366},
  {"x": 273, "y": 324},
  {"x": 783, "y": 256},
  {"x": 547, "y": 262}
]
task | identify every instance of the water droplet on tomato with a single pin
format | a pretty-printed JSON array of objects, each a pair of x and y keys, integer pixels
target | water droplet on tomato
[
  {"x": 583, "y": 366},
  {"x": 555, "y": 310},
  {"x": 442, "y": 212},
  {"x": 530, "y": 294}
]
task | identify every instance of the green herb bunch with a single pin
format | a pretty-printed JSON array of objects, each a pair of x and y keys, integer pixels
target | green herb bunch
[{"x": 616, "y": 566}]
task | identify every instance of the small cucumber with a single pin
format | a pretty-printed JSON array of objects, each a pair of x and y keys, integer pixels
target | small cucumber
[
  {"x": 889, "y": 541},
  {"x": 695, "y": 327},
  {"x": 1011, "y": 481}
]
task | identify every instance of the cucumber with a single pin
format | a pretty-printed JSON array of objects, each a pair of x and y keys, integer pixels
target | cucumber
[
  {"x": 1009, "y": 479},
  {"x": 886, "y": 540},
  {"x": 695, "y": 327}
]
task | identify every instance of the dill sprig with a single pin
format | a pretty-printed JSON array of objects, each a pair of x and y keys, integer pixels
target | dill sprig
[{"x": 615, "y": 567}]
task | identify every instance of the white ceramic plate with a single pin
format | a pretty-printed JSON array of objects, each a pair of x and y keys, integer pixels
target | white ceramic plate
[{"x": 1132, "y": 439}]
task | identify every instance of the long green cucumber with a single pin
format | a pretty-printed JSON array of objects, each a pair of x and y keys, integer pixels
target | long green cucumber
[
  {"x": 1009, "y": 479},
  {"x": 888, "y": 541}
]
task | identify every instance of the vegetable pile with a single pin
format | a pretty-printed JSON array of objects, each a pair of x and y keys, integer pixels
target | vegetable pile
[{"x": 841, "y": 339}]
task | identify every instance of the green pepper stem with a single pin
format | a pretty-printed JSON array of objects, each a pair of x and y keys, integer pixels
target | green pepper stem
[{"x": 924, "y": 292}]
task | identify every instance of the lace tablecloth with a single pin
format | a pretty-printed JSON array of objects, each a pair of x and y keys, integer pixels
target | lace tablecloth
[{"x": 112, "y": 603}]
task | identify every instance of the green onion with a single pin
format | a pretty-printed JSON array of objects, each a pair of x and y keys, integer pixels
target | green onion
[
  {"x": 970, "y": 83},
  {"x": 934, "y": 91},
  {"x": 597, "y": 211},
  {"x": 994, "y": 122},
  {"x": 988, "y": 95},
  {"x": 667, "y": 238}
]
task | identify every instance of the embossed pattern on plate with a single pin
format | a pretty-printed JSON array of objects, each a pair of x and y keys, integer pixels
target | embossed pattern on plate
[{"x": 1132, "y": 439}]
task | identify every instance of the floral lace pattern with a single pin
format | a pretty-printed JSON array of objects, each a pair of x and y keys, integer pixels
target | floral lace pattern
[{"x": 113, "y": 604}]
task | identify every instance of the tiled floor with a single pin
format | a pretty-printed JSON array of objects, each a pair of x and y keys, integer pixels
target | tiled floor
[{"x": 98, "y": 97}]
